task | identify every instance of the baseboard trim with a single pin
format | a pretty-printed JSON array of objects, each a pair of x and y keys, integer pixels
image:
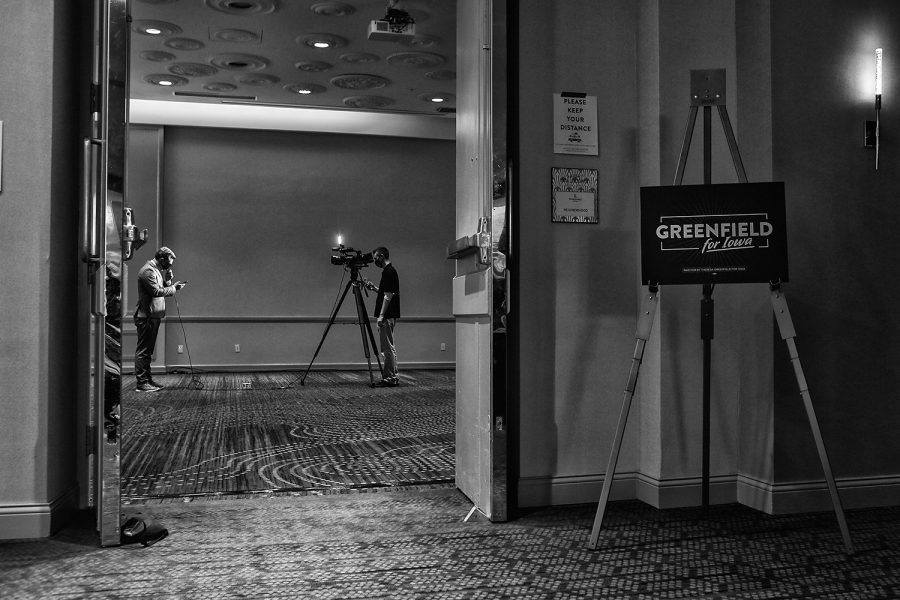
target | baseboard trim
[
  {"x": 130, "y": 328},
  {"x": 249, "y": 367},
  {"x": 685, "y": 491},
  {"x": 779, "y": 498},
  {"x": 813, "y": 495},
  {"x": 37, "y": 520},
  {"x": 581, "y": 489}
]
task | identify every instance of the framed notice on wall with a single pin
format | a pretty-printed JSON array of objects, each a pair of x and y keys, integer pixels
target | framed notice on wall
[
  {"x": 574, "y": 195},
  {"x": 723, "y": 233}
]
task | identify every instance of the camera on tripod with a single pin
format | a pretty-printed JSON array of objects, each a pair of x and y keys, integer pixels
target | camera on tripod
[
  {"x": 347, "y": 256},
  {"x": 353, "y": 260}
]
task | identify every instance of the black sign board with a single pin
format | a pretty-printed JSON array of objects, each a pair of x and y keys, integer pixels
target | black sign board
[{"x": 721, "y": 233}]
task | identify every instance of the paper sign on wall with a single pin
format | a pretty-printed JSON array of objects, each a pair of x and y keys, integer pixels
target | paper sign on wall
[{"x": 575, "y": 123}]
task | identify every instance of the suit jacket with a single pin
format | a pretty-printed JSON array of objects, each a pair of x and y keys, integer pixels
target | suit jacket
[{"x": 154, "y": 285}]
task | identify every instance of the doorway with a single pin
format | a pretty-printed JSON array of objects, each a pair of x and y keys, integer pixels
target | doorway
[
  {"x": 255, "y": 260},
  {"x": 270, "y": 288}
]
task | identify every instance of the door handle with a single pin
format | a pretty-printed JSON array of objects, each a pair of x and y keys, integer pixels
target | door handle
[
  {"x": 480, "y": 242},
  {"x": 133, "y": 238},
  {"x": 90, "y": 223}
]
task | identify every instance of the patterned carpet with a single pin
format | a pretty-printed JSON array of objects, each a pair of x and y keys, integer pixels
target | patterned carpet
[
  {"x": 415, "y": 545},
  {"x": 257, "y": 432}
]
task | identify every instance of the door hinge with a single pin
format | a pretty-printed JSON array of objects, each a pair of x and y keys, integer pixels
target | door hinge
[
  {"x": 95, "y": 98},
  {"x": 90, "y": 440}
]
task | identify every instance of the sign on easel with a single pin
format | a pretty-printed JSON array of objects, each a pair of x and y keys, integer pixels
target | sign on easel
[
  {"x": 722, "y": 233},
  {"x": 731, "y": 233}
]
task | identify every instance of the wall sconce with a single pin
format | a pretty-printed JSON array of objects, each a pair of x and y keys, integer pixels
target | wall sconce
[{"x": 873, "y": 128}]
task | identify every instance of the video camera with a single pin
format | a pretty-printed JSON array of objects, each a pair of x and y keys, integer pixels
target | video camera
[{"x": 347, "y": 256}]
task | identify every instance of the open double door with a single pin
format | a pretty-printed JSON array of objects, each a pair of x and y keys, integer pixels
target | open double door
[{"x": 480, "y": 286}]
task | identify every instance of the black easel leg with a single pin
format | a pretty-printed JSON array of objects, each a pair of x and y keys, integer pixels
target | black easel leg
[{"x": 706, "y": 334}]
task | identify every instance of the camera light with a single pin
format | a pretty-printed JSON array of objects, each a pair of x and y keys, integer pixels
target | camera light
[{"x": 340, "y": 240}]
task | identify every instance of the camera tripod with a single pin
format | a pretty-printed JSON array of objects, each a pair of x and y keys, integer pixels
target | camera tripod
[{"x": 365, "y": 325}]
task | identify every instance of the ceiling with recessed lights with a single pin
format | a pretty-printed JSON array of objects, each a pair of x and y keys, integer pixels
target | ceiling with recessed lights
[{"x": 303, "y": 53}]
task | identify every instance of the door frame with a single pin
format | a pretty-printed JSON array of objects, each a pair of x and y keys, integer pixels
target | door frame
[
  {"x": 495, "y": 491},
  {"x": 483, "y": 285}
]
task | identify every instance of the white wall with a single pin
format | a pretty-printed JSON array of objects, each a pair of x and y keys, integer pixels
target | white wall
[{"x": 38, "y": 207}]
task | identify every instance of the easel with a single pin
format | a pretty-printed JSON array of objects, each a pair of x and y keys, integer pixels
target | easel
[
  {"x": 365, "y": 326},
  {"x": 708, "y": 90}
]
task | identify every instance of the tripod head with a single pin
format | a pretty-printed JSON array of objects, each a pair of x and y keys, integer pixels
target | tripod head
[{"x": 355, "y": 278}]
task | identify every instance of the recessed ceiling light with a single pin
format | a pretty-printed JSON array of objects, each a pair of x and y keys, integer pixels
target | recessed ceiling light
[
  {"x": 243, "y": 7},
  {"x": 166, "y": 80},
  {"x": 239, "y": 62},
  {"x": 313, "y": 66},
  {"x": 436, "y": 97},
  {"x": 332, "y": 9},
  {"x": 184, "y": 44},
  {"x": 155, "y": 28},
  {"x": 321, "y": 41},
  {"x": 305, "y": 89}
]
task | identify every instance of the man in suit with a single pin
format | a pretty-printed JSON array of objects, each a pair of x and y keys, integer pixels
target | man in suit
[{"x": 154, "y": 285}]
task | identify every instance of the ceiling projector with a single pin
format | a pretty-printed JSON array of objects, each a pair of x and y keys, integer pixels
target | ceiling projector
[
  {"x": 396, "y": 26},
  {"x": 386, "y": 31}
]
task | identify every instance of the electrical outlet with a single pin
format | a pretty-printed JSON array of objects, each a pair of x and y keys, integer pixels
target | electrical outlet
[
  {"x": 180, "y": 348},
  {"x": 237, "y": 347},
  {"x": 443, "y": 347}
]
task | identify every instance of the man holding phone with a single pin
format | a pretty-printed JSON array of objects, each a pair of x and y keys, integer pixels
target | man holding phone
[{"x": 154, "y": 285}]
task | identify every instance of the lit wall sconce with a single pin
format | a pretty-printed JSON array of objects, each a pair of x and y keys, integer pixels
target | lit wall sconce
[{"x": 873, "y": 128}]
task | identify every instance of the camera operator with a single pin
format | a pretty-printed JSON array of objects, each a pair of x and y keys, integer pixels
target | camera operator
[
  {"x": 387, "y": 310},
  {"x": 154, "y": 285}
]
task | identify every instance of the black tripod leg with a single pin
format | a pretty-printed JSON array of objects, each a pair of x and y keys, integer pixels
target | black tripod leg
[
  {"x": 360, "y": 316},
  {"x": 365, "y": 315},
  {"x": 330, "y": 323}
]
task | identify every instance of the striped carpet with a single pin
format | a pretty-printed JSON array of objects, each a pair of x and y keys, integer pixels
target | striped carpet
[{"x": 228, "y": 433}]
